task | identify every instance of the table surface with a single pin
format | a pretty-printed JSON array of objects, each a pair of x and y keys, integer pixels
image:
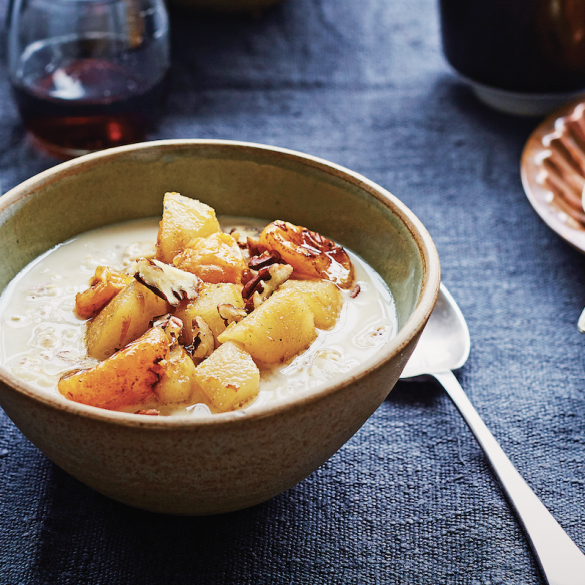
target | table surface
[{"x": 410, "y": 498}]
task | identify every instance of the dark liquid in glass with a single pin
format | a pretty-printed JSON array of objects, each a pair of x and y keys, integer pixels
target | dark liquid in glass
[{"x": 89, "y": 105}]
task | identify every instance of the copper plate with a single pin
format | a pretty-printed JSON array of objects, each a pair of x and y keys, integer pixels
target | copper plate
[{"x": 553, "y": 172}]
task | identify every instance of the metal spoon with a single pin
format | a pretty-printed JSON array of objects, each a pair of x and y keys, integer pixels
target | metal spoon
[
  {"x": 444, "y": 346},
  {"x": 581, "y": 322}
]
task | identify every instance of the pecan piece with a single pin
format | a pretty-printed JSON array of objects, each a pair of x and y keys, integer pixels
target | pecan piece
[
  {"x": 167, "y": 282},
  {"x": 267, "y": 258},
  {"x": 150, "y": 412},
  {"x": 254, "y": 282},
  {"x": 355, "y": 291},
  {"x": 230, "y": 314},
  {"x": 172, "y": 326},
  {"x": 203, "y": 340},
  {"x": 275, "y": 276},
  {"x": 247, "y": 276}
]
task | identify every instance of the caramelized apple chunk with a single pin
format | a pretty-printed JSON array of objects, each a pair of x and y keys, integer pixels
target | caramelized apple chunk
[
  {"x": 229, "y": 377},
  {"x": 126, "y": 378},
  {"x": 277, "y": 330},
  {"x": 125, "y": 318},
  {"x": 322, "y": 296},
  {"x": 309, "y": 253},
  {"x": 104, "y": 286},
  {"x": 183, "y": 220},
  {"x": 214, "y": 259},
  {"x": 177, "y": 383}
]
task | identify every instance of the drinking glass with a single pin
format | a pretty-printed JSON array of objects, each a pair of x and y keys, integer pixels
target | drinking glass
[{"x": 88, "y": 74}]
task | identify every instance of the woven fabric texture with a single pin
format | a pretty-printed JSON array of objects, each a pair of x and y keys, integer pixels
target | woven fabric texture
[{"x": 410, "y": 498}]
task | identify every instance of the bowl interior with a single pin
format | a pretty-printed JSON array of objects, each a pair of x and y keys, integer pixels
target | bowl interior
[{"x": 235, "y": 179}]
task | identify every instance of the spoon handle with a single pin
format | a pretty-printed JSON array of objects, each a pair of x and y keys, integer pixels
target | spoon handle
[{"x": 561, "y": 561}]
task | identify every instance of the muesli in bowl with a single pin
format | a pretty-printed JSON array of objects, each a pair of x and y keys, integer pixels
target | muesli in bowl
[{"x": 197, "y": 320}]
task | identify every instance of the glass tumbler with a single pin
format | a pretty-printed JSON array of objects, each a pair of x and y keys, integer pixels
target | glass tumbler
[{"x": 88, "y": 74}]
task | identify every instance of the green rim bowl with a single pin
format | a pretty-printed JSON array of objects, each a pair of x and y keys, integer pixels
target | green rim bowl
[{"x": 187, "y": 465}]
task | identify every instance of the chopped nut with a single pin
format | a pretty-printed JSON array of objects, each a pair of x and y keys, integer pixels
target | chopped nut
[
  {"x": 150, "y": 412},
  {"x": 267, "y": 258},
  {"x": 269, "y": 279},
  {"x": 203, "y": 340},
  {"x": 355, "y": 291},
  {"x": 254, "y": 282},
  {"x": 230, "y": 314},
  {"x": 247, "y": 276},
  {"x": 167, "y": 282},
  {"x": 172, "y": 326}
]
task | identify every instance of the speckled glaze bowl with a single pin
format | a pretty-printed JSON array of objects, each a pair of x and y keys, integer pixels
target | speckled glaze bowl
[{"x": 189, "y": 466}]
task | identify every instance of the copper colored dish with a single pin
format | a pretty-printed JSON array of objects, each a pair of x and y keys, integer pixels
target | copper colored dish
[{"x": 553, "y": 172}]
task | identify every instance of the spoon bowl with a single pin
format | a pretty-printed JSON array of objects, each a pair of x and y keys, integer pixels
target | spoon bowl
[{"x": 444, "y": 346}]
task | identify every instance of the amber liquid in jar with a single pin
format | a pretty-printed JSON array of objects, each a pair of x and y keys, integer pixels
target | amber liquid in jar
[{"x": 89, "y": 105}]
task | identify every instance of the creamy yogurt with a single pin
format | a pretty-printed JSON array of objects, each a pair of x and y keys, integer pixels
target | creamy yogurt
[{"x": 41, "y": 338}]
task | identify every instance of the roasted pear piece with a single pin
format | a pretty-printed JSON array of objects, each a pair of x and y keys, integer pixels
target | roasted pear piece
[
  {"x": 229, "y": 377},
  {"x": 183, "y": 220},
  {"x": 309, "y": 253},
  {"x": 177, "y": 383},
  {"x": 323, "y": 297},
  {"x": 217, "y": 258},
  {"x": 167, "y": 282},
  {"x": 104, "y": 286},
  {"x": 126, "y": 378},
  {"x": 125, "y": 318},
  {"x": 277, "y": 330}
]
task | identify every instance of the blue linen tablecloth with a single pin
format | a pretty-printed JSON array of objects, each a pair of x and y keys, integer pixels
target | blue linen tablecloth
[{"x": 410, "y": 498}]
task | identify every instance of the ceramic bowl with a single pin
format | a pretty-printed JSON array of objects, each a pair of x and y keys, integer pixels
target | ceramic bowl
[{"x": 189, "y": 466}]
